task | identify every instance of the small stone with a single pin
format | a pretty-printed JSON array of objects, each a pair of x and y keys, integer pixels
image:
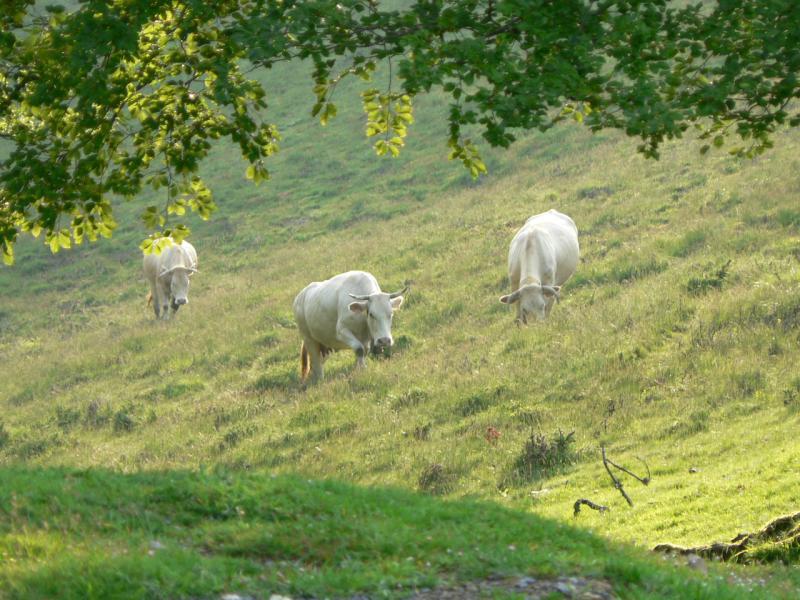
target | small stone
[
  {"x": 694, "y": 470},
  {"x": 564, "y": 588},
  {"x": 524, "y": 582},
  {"x": 695, "y": 562},
  {"x": 156, "y": 545}
]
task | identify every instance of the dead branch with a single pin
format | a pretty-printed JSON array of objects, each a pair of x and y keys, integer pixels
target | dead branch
[
  {"x": 643, "y": 480},
  {"x": 782, "y": 530},
  {"x": 617, "y": 483},
  {"x": 588, "y": 503}
]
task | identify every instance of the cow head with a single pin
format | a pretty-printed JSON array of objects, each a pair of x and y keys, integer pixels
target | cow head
[
  {"x": 534, "y": 299},
  {"x": 178, "y": 284},
  {"x": 378, "y": 309}
]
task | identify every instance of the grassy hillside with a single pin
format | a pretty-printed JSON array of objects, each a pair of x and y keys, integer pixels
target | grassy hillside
[{"x": 676, "y": 342}]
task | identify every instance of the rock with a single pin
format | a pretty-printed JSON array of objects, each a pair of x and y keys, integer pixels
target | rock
[
  {"x": 524, "y": 582},
  {"x": 697, "y": 563},
  {"x": 565, "y": 588}
]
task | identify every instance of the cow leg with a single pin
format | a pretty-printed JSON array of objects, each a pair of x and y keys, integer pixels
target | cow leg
[
  {"x": 155, "y": 301},
  {"x": 514, "y": 288},
  {"x": 163, "y": 301},
  {"x": 315, "y": 354},
  {"x": 347, "y": 337}
]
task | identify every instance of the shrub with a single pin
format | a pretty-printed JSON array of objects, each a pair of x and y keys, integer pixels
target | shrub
[
  {"x": 542, "y": 457},
  {"x": 123, "y": 422}
]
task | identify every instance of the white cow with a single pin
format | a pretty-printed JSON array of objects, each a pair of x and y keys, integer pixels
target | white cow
[
  {"x": 346, "y": 311},
  {"x": 168, "y": 274},
  {"x": 543, "y": 255}
]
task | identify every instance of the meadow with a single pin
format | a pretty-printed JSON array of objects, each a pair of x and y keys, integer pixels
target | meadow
[{"x": 675, "y": 344}]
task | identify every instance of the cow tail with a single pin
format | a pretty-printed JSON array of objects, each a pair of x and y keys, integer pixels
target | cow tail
[
  {"x": 149, "y": 298},
  {"x": 305, "y": 365}
]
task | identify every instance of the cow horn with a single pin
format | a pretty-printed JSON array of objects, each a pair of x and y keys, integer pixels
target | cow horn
[
  {"x": 552, "y": 290},
  {"x": 175, "y": 268},
  {"x": 359, "y": 296},
  {"x": 400, "y": 293}
]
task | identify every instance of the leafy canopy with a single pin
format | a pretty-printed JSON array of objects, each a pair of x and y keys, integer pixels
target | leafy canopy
[{"x": 101, "y": 101}]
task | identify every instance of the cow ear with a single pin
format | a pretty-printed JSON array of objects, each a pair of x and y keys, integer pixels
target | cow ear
[
  {"x": 510, "y": 298},
  {"x": 358, "y": 307},
  {"x": 396, "y": 302}
]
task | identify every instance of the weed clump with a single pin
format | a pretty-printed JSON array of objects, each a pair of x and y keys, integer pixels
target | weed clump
[
  {"x": 791, "y": 398},
  {"x": 5, "y": 437},
  {"x": 480, "y": 401},
  {"x": 95, "y": 414},
  {"x": 412, "y": 397},
  {"x": 66, "y": 418},
  {"x": 708, "y": 281},
  {"x": 436, "y": 480},
  {"x": 748, "y": 383},
  {"x": 543, "y": 456},
  {"x": 423, "y": 432},
  {"x": 123, "y": 422}
]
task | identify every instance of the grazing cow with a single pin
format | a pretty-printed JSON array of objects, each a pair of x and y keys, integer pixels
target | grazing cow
[
  {"x": 346, "y": 311},
  {"x": 543, "y": 255},
  {"x": 168, "y": 274}
]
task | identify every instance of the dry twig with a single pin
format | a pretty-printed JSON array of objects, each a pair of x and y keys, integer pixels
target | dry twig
[
  {"x": 617, "y": 483},
  {"x": 588, "y": 503}
]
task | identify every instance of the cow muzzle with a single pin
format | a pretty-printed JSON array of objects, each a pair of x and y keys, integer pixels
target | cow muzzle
[
  {"x": 384, "y": 342},
  {"x": 181, "y": 301}
]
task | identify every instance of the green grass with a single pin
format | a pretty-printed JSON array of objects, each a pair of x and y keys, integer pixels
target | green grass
[
  {"x": 98, "y": 534},
  {"x": 651, "y": 353}
]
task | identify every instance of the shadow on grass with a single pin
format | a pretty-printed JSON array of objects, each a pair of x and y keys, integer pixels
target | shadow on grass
[{"x": 94, "y": 533}]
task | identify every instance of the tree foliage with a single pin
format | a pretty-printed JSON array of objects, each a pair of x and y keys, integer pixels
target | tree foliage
[{"x": 100, "y": 101}]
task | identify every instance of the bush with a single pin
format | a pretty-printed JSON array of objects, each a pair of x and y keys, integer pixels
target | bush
[
  {"x": 123, "y": 422},
  {"x": 542, "y": 457}
]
